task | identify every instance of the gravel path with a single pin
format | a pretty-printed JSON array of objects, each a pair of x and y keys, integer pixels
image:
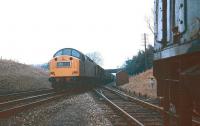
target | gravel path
[{"x": 80, "y": 110}]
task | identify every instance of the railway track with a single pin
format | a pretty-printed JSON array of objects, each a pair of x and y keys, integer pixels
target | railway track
[
  {"x": 132, "y": 112},
  {"x": 17, "y": 95},
  {"x": 135, "y": 111},
  {"x": 11, "y": 104},
  {"x": 173, "y": 117},
  {"x": 16, "y": 102}
]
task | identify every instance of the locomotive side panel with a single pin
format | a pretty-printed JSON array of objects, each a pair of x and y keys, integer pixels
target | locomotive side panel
[
  {"x": 99, "y": 72},
  {"x": 89, "y": 68}
]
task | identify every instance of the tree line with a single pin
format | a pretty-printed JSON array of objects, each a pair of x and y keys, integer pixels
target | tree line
[{"x": 137, "y": 63}]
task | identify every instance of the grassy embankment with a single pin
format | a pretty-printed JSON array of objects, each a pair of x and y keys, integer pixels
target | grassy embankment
[
  {"x": 141, "y": 84},
  {"x": 20, "y": 77}
]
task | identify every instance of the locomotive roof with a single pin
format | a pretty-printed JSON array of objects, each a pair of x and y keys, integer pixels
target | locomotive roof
[
  {"x": 82, "y": 56},
  {"x": 68, "y": 48}
]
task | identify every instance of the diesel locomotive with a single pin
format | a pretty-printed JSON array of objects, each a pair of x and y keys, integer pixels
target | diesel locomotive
[
  {"x": 71, "y": 67},
  {"x": 177, "y": 58}
]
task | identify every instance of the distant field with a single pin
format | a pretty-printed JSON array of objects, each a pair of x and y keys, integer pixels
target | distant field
[
  {"x": 19, "y": 77},
  {"x": 141, "y": 84}
]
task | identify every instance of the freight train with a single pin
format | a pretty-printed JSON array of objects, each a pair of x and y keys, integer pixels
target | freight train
[
  {"x": 70, "y": 67},
  {"x": 177, "y": 58}
]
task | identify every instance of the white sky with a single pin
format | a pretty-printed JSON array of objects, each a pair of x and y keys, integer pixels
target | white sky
[{"x": 31, "y": 31}]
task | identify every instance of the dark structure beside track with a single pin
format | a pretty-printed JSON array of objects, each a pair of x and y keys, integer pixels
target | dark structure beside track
[
  {"x": 122, "y": 78},
  {"x": 176, "y": 58}
]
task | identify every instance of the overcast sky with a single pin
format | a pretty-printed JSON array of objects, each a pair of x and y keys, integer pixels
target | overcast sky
[{"x": 31, "y": 31}]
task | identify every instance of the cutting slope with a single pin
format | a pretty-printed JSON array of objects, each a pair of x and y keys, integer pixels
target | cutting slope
[
  {"x": 19, "y": 77},
  {"x": 143, "y": 83}
]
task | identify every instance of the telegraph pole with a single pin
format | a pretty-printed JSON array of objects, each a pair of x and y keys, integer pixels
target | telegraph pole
[{"x": 145, "y": 48}]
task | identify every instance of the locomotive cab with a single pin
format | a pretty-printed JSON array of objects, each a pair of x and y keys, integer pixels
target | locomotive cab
[{"x": 65, "y": 65}]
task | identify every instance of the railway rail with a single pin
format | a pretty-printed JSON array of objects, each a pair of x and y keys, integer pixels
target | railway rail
[
  {"x": 132, "y": 112},
  {"x": 136, "y": 111},
  {"x": 21, "y": 94},
  {"x": 16, "y": 102},
  {"x": 154, "y": 105}
]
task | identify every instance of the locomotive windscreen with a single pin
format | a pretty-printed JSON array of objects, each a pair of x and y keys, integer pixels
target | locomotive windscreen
[{"x": 69, "y": 52}]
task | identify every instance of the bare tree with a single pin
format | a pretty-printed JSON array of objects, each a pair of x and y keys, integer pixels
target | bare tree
[
  {"x": 96, "y": 57},
  {"x": 150, "y": 21}
]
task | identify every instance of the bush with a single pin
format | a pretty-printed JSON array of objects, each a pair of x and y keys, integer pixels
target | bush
[{"x": 137, "y": 63}]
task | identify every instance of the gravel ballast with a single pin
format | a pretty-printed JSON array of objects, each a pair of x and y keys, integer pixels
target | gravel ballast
[{"x": 79, "y": 110}]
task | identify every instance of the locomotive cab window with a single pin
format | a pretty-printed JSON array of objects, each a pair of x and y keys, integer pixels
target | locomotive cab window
[
  {"x": 67, "y": 52},
  {"x": 59, "y": 53},
  {"x": 75, "y": 53}
]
